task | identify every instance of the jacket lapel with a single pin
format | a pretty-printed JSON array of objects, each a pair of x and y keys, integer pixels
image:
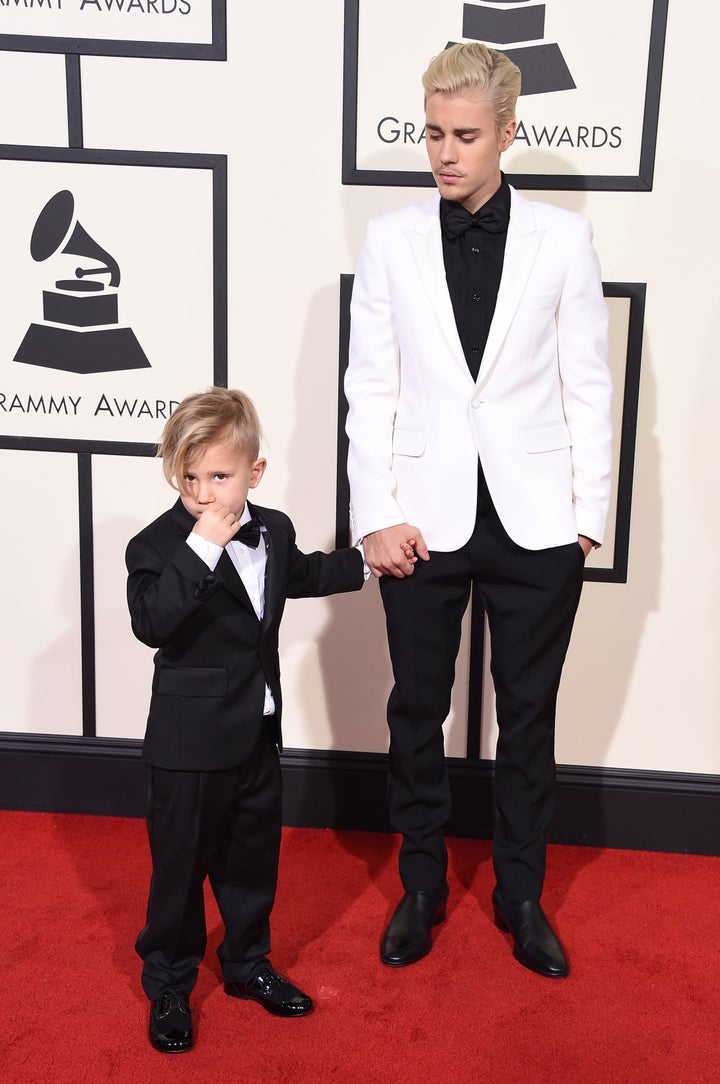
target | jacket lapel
[
  {"x": 426, "y": 242},
  {"x": 521, "y": 249},
  {"x": 232, "y": 582},
  {"x": 273, "y": 577}
]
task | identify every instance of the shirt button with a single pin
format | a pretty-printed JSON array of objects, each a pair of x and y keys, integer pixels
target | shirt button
[
  {"x": 476, "y": 349},
  {"x": 475, "y": 251},
  {"x": 476, "y": 297}
]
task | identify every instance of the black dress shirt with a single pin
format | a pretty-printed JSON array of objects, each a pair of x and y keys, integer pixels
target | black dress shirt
[{"x": 473, "y": 267}]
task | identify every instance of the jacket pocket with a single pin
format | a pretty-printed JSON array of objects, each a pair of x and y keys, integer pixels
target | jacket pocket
[
  {"x": 540, "y": 300},
  {"x": 408, "y": 441},
  {"x": 545, "y": 438},
  {"x": 191, "y": 681}
]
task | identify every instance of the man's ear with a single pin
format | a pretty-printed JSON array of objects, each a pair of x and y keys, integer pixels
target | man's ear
[{"x": 508, "y": 135}]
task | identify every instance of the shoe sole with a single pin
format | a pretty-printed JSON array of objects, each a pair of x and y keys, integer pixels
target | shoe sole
[
  {"x": 539, "y": 970},
  {"x": 170, "y": 1049},
  {"x": 273, "y": 1009}
]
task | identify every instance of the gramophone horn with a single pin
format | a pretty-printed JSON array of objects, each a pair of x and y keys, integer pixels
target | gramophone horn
[
  {"x": 52, "y": 226},
  {"x": 51, "y": 229}
]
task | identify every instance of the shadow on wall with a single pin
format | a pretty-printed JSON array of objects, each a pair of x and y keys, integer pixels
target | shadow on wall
[
  {"x": 49, "y": 708},
  {"x": 124, "y": 665},
  {"x": 612, "y": 618},
  {"x": 351, "y": 646},
  {"x": 707, "y": 390}
]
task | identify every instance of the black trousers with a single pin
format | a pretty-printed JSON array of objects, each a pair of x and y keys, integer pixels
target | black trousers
[
  {"x": 531, "y": 598},
  {"x": 224, "y": 825}
]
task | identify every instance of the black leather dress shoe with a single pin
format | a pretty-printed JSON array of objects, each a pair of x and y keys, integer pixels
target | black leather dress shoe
[
  {"x": 409, "y": 935},
  {"x": 536, "y": 944},
  {"x": 274, "y": 992},
  {"x": 170, "y": 1023}
]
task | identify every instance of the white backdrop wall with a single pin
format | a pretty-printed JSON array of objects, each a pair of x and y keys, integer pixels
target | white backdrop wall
[{"x": 641, "y": 682}]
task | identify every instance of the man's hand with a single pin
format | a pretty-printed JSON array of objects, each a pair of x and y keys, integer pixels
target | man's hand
[
  {"x": 217, "y": 524},
  {"x": 586, "y": 544},
  {"x": 390, "y": 552}
]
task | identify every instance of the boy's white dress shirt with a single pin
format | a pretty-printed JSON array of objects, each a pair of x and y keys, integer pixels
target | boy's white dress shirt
[{"x": 250, "y": 566}]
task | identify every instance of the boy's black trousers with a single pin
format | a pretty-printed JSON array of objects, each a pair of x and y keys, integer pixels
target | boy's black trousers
[{"x": 224, "y": 825}]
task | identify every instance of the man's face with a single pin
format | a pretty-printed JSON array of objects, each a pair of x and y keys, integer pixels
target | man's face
[
  {"x": 219, "y": 475},
  {"x": 464, "y": 147}
]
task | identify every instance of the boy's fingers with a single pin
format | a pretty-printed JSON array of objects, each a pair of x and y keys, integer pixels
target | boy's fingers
[{"x": 420, "y": 547}]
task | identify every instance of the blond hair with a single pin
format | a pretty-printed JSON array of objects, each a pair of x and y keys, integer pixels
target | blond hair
[
  {"x": 201, "y": 419},
  {"x": 472, "y": 66}
]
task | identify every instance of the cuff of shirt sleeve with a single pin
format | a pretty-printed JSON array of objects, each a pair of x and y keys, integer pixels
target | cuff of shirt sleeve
[
  {"x": 208, "y": 552},
  {"x": 366, "y": 571}
]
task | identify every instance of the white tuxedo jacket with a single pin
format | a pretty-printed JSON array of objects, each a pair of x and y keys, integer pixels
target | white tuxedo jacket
[{"x": 538, "y": 415}]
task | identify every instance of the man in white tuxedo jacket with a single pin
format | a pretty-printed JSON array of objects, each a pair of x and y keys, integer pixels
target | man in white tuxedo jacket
[{"x": 480, "y": 436}]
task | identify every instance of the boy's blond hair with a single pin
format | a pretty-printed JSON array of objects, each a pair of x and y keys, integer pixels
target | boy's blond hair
[
  {"x": 201, "y": 419},
  {"x": 472, "y": 66}
]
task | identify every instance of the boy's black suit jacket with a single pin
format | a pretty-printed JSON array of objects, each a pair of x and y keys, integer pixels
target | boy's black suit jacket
[{"x": 215, "y": 655}]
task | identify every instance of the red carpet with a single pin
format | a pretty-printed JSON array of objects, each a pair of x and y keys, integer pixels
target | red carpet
[{"x": 642, "y": 1002}]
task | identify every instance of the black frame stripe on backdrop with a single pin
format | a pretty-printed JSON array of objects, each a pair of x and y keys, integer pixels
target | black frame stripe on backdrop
[
  {"x": 73, "y": 84},
  {"x": 162, "y": 50},
  {"x": 84, "y": 449},
  {"x": 617, "y": 572},
  {"x": 642, "y": 182}
]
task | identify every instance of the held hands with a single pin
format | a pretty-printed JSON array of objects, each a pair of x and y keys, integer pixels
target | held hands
[
  {"x": 394, "y": 551},
  {"x": 217, "y": 524}
]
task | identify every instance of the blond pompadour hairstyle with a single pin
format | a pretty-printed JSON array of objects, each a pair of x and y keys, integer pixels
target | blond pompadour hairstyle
[{"x": 473, "y": 67}]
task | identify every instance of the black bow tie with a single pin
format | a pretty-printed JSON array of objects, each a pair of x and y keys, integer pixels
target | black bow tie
[
  {"x": 249, "y": 533},
  {"x": 456, "y": 220}
]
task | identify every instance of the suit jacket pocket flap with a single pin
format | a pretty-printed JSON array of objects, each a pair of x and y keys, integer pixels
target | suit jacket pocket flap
[
  {"x": 545, "y": 438},
  {"x": 408, "y": 441},
  {"x": 192, "y": 681}
]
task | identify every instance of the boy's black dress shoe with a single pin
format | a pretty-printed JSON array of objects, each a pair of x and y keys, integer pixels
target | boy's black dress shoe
[
  {"x": 274, "y": 992},
  {"x": 170, "y": 1023},
  {"x": 536, "y": 944},
  {"x": 409, "y": 935}
]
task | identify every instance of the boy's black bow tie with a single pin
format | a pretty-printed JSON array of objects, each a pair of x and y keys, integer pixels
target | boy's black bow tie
[
  {"x": 249, "y": 533},
  {"x": 457, "y": 220}
]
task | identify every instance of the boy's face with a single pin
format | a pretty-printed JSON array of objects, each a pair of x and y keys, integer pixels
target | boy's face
[
  {"x": 219, "y": 476},
  {"x": 464, "y": 147}
]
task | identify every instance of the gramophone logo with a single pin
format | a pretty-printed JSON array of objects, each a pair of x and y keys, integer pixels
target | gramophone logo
[
  {"x": 80, "y": 332},
  {"x": 542, "y": 65}
]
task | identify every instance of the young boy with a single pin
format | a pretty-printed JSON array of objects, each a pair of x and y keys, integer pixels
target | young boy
[{"x": 207, "y": 586}]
